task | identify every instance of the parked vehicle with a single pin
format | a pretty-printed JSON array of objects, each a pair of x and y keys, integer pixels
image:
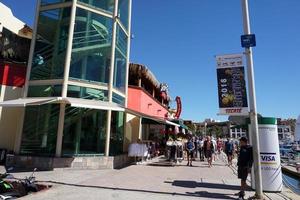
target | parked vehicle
[{"x": 17, "y": 187}]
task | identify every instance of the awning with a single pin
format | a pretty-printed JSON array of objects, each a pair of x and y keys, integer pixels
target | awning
[
  {"x": 22, "y": 102},
  {"x": 156, "y": 119},
  {"x": 93, "y": 104},
  {"x": 172, "y": 123},
  {"x": 74, "y": 102}
]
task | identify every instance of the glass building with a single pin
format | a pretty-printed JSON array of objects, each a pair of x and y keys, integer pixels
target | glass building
[{"x": 77, "y": 78}]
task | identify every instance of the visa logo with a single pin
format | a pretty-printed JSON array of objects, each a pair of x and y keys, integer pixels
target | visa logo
[{"x": 268, "y": 158}]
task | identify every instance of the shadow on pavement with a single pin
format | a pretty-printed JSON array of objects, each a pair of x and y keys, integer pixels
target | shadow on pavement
[
  {"x": 194, "y": 184},
  {"x": 190, "y": 194},
  {"x": 210, "y": 195}
]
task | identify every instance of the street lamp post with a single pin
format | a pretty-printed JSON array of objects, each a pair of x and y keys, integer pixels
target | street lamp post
[{"x": 252, "y": 105}]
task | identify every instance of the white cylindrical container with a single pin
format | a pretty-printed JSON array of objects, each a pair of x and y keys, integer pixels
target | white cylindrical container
[{"x": 269, "y": 155}]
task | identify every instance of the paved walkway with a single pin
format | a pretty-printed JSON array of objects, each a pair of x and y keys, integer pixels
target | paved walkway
[{"x": 144, "y": 182}]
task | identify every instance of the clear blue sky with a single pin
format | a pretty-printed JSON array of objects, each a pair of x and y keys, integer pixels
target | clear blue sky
[{"x": 178, "y": 39}]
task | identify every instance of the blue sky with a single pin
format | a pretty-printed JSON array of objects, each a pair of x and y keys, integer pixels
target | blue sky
[{"x": 177, "y": 40}]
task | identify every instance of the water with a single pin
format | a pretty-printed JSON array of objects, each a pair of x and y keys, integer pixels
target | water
[{"x": 292, "y": 183}]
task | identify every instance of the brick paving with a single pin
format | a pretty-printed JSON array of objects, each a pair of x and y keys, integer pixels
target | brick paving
[{"x": 145, "y": 182}]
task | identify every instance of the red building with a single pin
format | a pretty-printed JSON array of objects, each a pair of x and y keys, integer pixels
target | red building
[{"x": 148, "y": 105}]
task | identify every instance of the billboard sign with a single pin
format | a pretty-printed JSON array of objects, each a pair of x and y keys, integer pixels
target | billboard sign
[{"x": 231, "y": 85}]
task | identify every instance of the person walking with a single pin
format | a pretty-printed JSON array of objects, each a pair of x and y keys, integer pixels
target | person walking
[
  {"x": 208, "y": 150},
  {"x": 190, "y": 147},
  {"x": 219, "y": 147},
  {"x": 201, "y": 149},
  {"x": 229, "y": 149},
  {"x": 245, "y": 161}
]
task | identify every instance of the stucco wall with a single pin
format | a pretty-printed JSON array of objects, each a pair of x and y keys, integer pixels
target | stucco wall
[
  {"x": 140, "y": 101},
  {"x": 132, "y": 130},
  {"x": 9, "y": 117}
]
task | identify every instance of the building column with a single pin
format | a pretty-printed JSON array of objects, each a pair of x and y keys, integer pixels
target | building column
[
  {"x": 60, "y": 129},
  {"x": 108, "y": 128},
  {"x": 128, "y": 52},
  {"x": 18, "y": 137},
  {"x": 111, "y": 78},
  {"x": 140, "y": 128},
  {"x": 61, "y": 119},
  {"x": 69, "y": 50}
]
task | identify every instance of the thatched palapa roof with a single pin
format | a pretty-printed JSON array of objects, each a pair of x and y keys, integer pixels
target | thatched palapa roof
[{"x": 141, "y": 71}]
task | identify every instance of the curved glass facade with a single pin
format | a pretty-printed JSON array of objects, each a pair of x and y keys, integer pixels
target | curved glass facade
[
  {"x": 40, "y": 130},
  {"x": 83, "y": 131},
  {"x": 91, "y": 51},
  {"x": 120, "y": 60},
  {"x": 105, "y": 5},
  {"x": 47, "y": 2},
  {"x": 50, "y": 48},
  {"x": 44, "y": 91},
  {"x": 123, "y": 12},
  {"x": 87, "y": 93}
]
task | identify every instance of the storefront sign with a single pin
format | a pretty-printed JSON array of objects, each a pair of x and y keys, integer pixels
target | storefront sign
[
  {"x": 231, "y": 85},
  {"x": 178, "y": 112}
]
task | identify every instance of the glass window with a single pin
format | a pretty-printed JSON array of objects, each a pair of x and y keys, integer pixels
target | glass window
[
  {"x": 286, "y": 130},
  {"x": 122, "y": 41},
  {"x": 84, "y": 131},
  {"x": 40, "y": 130},
  {"x": 51, "y": 43},
  {"x": 87, "y": 93},
  {"x": 120, "y": 61},
  {"x": 44, "y": 91},
  {"x": 106, "y": 5},
  {"x": 117, "y": 133},
  {"x": 45, "y": 2},
  {"x": 91, "y": 53},
  {"x": 280, "y": 130},
  {"x": 123, "y": 12},
  {"x": 118, "y": 99}
]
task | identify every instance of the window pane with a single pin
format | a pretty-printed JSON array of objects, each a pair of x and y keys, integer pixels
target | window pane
[
  {"x": 123, "y": 10},
  {"x": 84, "y": 131},
  {"x": 51, "y": 43},
  {"x": 107, "y": 5},
  {"x": 45, "y": 2},
  {"x": 87, "y": 93},
  {"x": 120, "y": 60},
  {"x": 44, "y": 91},
  {"x": 117, "y": 133},
  {"x": 91, "y": 51},
  {"x": 122, "y": 41},
  {"x": 40, "y": 129},
  {"x": 118, "y": 99}
]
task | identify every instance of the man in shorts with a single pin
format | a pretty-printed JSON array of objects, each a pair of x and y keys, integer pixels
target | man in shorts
[
  {"x": 245, "y": 161},
  {"x": 190, "y": 147},
  {"x": 229, "y": 148}
]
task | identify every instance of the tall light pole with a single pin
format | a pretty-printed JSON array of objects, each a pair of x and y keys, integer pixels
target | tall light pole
[{"x": 252, "y": 102}]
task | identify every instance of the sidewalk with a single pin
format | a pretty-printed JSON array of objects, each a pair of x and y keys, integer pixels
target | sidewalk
[{"x": 144, "y": 182}]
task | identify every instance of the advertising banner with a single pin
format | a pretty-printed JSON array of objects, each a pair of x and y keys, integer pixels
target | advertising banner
[
  {"x": 269, "y": 155},
  {"x": 231, "y": 85}
]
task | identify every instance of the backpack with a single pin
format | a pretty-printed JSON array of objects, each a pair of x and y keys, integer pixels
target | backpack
[
  {"x": 229, "y": 147},
  {"x": 190, "y": 145}
]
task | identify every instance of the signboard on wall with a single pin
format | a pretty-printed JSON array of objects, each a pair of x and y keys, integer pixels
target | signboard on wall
[
  {"x": 179, "y": 107},
  {"x": 231, "y": 85}
]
